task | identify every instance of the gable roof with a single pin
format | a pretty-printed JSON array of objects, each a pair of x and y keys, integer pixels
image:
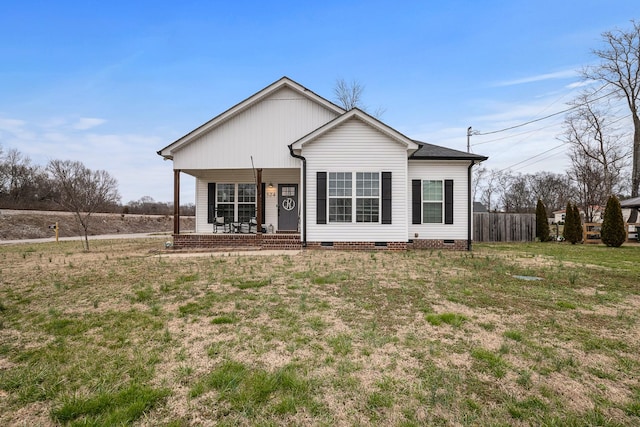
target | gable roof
[
  {"x": 630, "y": 203},
  {"x": 167, "y": 152},
  {"x": 358, "y": 114},
  {"x": 479, "y": 207},
  {"x": 436, "y": 152}
]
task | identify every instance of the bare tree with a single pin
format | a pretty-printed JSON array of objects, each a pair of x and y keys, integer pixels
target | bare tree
[
  {"x": 19, "y": 179},
  {"x": 82, "y": 191},
  {"x": 349, "y": 96},
  {"x": 590, "y": 132},
  {"x": 587, "y": 175},
  {"x": 553, "y": 189},
  {"x": 620, "y": 68},
  {"x": 516, "y": 194},
  {"x": 598, "y": 153},
  {"x": 487, "y": 189}
]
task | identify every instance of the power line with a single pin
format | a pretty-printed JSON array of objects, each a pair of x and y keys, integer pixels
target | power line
[
  {"x": 539, "y": 160},
  {"x": 533, "y": 157},
  {"x": 547, "y": 116},
  {"x": 527, "y": 123},
  {"x": 513, "y": 136}
]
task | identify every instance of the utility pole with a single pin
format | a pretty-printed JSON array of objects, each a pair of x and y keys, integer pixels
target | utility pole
[{"x": 470, "y": 132}]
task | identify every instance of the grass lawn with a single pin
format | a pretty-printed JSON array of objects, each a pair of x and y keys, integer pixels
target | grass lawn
[{"x": 125, "y": 335}]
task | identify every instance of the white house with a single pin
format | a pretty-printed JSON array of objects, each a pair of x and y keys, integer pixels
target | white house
[{"x": 288, "y": 168}]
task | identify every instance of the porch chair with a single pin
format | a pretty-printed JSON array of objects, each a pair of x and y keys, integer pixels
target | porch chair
[
  {"x": 253, "y": 225},
  {"x": 249, "y": 227},
  {"x": 219, "y": 222}
]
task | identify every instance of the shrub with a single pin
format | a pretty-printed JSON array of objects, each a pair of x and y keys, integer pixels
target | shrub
[
  {"x": 542, "y": 223},
  {"x": 613, "y": 231},
  {"x": 577, "y": 224},
  {"x": 569, "y": 230},
  {"x": 572, "y": 225}
]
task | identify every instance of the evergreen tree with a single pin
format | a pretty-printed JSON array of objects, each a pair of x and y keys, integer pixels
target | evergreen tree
[
  {"x": 613, "y": 231},
  {"x": 577, "y": 224},
  {"x": 569, "y": 230},
  {"x": 542, "y": 223}
]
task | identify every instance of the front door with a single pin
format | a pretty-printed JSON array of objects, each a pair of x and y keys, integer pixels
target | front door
[{"x": 288, "y": 211}]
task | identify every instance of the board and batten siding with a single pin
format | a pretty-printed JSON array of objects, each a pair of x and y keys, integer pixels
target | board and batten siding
[
  {"x": 263, "y": 131},
  {"x": 273, "y": 176},
  {"x": 441, "y": 170},
  {"x": 356, "y": 147}
]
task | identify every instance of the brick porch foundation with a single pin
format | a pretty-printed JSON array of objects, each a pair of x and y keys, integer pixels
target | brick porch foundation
[{"x": 237, "y": 241}]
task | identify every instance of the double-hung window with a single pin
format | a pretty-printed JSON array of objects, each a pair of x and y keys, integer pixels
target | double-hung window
[
  {"x": 347, "y": 205},
  {"x": 246, "y": 202},
  {"x": 367, "y": 196},
  {"x": 225, "y": 201},
  {"x": 236, "y": 202},
  {"x": 432, "y": 201},
  {"x": 340, "y": 197}
]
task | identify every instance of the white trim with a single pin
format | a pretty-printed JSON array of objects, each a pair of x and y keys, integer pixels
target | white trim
[{"x": 363, "y": 117}]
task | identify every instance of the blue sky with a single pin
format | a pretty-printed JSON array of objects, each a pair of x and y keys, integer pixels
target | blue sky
[{"x": 111, "y": 82}]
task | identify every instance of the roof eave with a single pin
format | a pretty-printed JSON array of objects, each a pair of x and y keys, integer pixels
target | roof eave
[{"x": 360, "y": 115}]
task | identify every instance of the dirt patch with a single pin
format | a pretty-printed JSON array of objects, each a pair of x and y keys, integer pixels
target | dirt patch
[{"x": 16, "y": 225}]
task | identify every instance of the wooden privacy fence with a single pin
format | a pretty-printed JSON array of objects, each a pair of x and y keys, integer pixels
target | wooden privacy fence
[
  {"x": 592, "y": 232},
  {"x": 504, "y": 227}
]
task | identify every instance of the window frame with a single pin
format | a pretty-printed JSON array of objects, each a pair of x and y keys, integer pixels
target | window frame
[
  {"x": 432, "y": 201},
  {"x": 377, "y": 197},
  {"x": 236, "y": 203},
  {"x": 353, "y": 202},
  {"x": 339, "y": 198}
]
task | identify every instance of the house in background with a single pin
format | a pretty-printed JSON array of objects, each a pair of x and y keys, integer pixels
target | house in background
[
  {"x": 630, "y": 208},
  {"x": 286, "y": 168},
  {"x": 596, "y": 212}
]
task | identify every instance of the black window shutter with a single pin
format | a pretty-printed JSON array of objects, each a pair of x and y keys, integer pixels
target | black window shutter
[
  {"x": 211, "y": 202},
  {"x": 416, "y": 201},
  {"x": 386, "y": 197},
  {"x": 263, "y": 192},
  {"x": 448, "y": 201},
  {"x": 321, "y": 198}
]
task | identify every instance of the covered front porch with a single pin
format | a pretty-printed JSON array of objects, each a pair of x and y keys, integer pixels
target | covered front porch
[{"x": 243, "y": 208}]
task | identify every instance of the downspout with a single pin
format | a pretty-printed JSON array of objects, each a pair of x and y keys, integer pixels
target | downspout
[
  {"x": 304, "y": 194},
  {"x": 469, "y": 214}
]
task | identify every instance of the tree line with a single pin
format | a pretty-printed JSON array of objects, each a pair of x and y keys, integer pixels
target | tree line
[{"x": 25, "y": 185}]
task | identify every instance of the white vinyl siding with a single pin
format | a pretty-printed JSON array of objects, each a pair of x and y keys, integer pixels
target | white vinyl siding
[
  {"x": 263, "y": 131},
  {"x": 356, "y": 147},
  {"x": 441, "y": 170}
]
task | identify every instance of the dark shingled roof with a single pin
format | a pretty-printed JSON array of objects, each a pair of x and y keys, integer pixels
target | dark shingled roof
[
  {"x": 631, "y": 203},
  {"x": 436, "y": 152}
]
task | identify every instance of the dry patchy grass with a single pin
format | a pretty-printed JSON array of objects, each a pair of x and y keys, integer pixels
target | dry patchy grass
[{"x": 120, "y": 335}]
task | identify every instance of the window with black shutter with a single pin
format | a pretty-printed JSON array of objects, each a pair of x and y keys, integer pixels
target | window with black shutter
[
  {"x": 211, "y": 202},
  {"x": 386, "y": 198},
  {"x": 448, "y": 201},
  {"x": 321, "y": 198}
]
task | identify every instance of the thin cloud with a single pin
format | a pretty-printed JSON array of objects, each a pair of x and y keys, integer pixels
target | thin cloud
[
  {"x": 85, "y": 123},
  {"x": 580, "y": 84},
  {"x": 566, "y": 74}
]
